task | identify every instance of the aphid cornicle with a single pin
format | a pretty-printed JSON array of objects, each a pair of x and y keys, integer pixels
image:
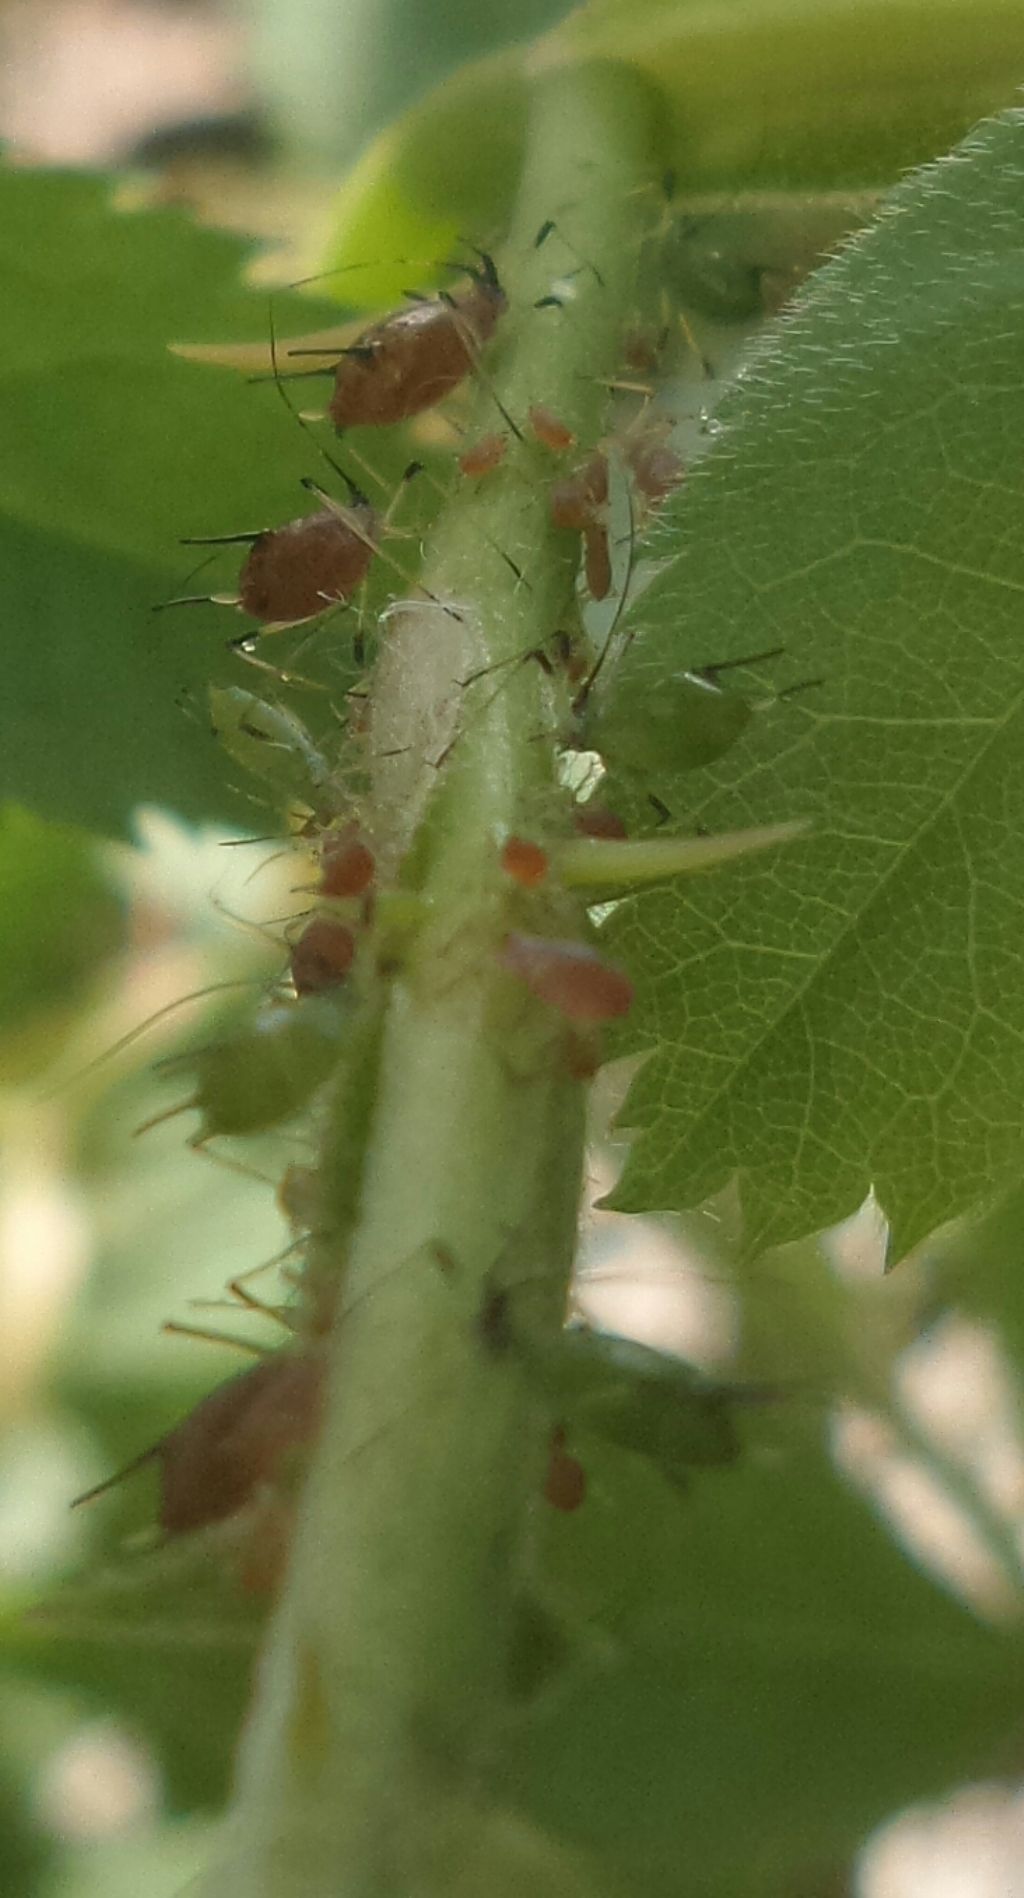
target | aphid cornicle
[{"x": 409, "y": 361}]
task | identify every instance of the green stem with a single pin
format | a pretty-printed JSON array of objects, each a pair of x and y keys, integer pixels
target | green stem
[{"x": 385, "y": 1684}]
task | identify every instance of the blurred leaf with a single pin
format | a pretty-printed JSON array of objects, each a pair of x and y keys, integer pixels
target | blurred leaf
[
  {"x": 164, "y": 1639},
  {"x": 60, "y": 919},
  {"x": 791, "y": 93},
  {"x": 862, "y": 509},
  {"x": 768, "y": 1677},
  {"x": 115, "y": 449}
]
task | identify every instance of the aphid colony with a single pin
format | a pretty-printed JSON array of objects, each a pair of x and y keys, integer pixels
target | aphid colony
[{"x": 236, "y": 1457}]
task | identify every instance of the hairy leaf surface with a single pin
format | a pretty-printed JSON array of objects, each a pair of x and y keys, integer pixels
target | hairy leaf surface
[{"x": 849, "y": 1011}]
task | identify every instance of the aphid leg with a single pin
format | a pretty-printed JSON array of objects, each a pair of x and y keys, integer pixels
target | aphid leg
[{"x": 177, "y": 1330}]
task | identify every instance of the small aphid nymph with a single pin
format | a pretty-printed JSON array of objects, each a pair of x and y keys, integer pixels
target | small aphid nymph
[
  {"x": 483, "y": 456},
  {"x": 550, "y": 430},
  {"x": 525, "y": 862}
]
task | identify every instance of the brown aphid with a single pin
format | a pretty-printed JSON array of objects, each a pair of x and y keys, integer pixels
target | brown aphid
[
  {"x": 550, "y": 430},
  {"x": 525, "y": 862},
  {"x": 655, "y": 466},
  {"x": 409, "y": 361},
  {"x": 595, "y": 820},
  {"x": 565, "y": 1486},
  {"x": 295, "y": 572},
  {"x": 574, "y": 502},
  {"x": 322, "y": 956},
  {"x": 237, "y": 1440},
  {"x": 569, "y": 976},
  {"x": 597, "y": 560},
  {"x": 484, "y": 456},
  {"x": 347, "y": 865}
]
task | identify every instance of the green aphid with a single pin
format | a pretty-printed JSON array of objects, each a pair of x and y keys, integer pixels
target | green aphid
[
  {"x": 688, "y": 720},
  {"x": 267, "y": 1068},
  {"x": 269, "y": 742},
  {"x": 656, "y": 1405}
]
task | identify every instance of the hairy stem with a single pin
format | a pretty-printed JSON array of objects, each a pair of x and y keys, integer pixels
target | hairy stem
[{"x": 368, "y": 1759}]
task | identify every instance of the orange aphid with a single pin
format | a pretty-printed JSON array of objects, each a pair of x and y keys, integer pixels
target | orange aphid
[
  {"x": 594, "y": 820},
  {"x": 550, "y": 430},
  {"x": 322, "y": 956},
  {"x": 347, "y": 865},
  {"x": 565, "y": 1486},
  {"x": 483, "y": 456},
  {"x": 525, "y": 862},
  {"x": 569, "y": 976},
  {"x": 412, "y": 359},
  {"x": 575, "y": 501}
]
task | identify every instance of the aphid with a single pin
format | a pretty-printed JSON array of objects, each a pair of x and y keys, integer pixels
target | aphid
[
  {"x": 578, "y": 503},
  {"x": 641, "y": 1399},
  {"x": 594, "y": 820},
  {"x": 565, "y": 1486},
  {"x": 525, "y": 862},
  {"x": 296, "y": 572},
  {"x": 322, "y": 956},
  {"x": 347, "y": 864},
  {"x": 412, "y": 359},
  {"x": 550, "y": 430},
  {"x": 691, "y": 720},
  {"x": 235, "y": 1443},
  {"x": 597, "y": 560},
  {"x": 575, "y": 501},
  {"x": 264, "y": 1071},
  {"x": 655, "y": 466},
  {"x": 569, "y": 976},
  {"x": 270, "y": 742},
  {"x": 483, "y": 456}
]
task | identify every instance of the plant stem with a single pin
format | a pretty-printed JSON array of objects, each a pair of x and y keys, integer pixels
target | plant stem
[{"x": 385, "y": 1684}]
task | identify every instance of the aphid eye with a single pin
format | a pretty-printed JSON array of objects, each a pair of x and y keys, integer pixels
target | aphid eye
[
  {"x": 569, "y": 976},
  {"x": 525, "y": 862},
  {"x": 322, "y": 956}
]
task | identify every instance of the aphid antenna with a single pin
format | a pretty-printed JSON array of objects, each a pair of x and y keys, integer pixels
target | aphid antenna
[
  {"x": 355, "y": 493},
  {"x": 194, "y": 599},
  {"x": 707, "y": 368},
  {"x": 711, "y": 671},
  {"x": 127, "y": 1469},
  {"x": 220, "y": 540},
  {"x": 135, "y": 1034},
  {"x": 175, "y": 1329},
  {"x": 262, "y": 931}
]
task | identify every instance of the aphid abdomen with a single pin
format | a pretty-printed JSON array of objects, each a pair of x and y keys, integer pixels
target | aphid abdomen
[
  {"x": 237, "y": 1440},
  {"x": 297, "y": 571}
]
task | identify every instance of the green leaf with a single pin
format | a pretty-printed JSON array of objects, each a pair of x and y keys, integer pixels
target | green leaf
[
  {"x": 791, "y": 93},
  {"x": 116, "y": 449},
  {"x": 847, "y": 1011},
  {"x": 60, "y": 919},
  {"x": 768, "y": 1678},
  {"x": 166, "y": 1639}
]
